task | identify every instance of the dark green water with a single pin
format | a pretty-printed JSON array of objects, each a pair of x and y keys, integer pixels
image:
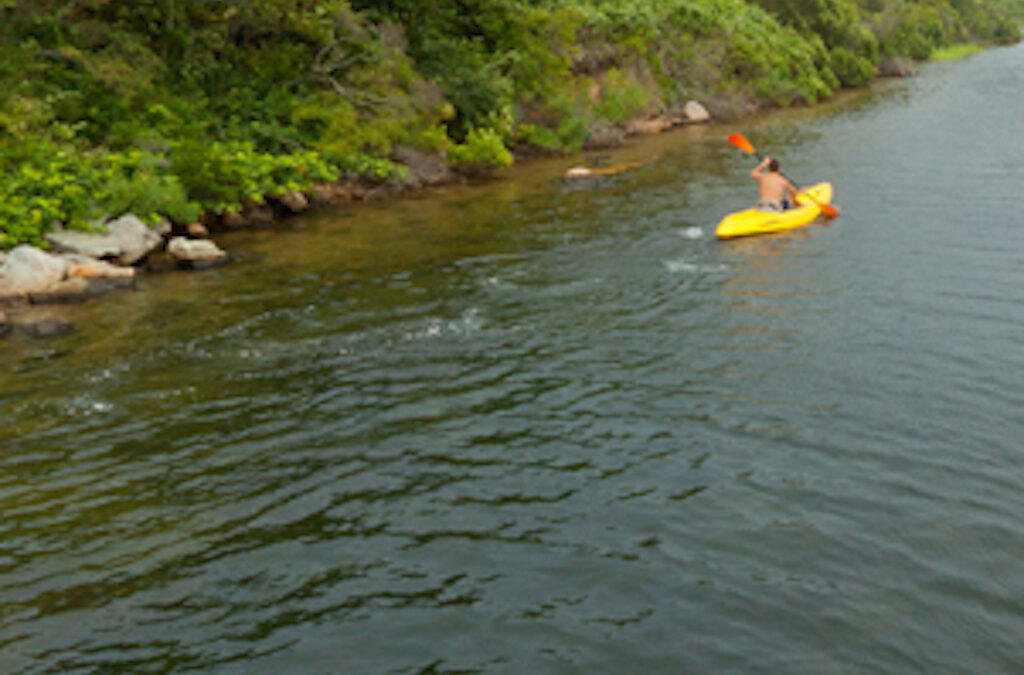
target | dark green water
[{"x": 556, "y": 428}]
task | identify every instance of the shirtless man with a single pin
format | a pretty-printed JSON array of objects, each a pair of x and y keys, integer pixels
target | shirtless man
[{"x": 774, "y": 186}]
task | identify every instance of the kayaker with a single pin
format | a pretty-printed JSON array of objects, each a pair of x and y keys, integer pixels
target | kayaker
[{"x": 774, "y": 186}]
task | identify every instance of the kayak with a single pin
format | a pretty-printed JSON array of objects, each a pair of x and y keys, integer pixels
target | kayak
[{"x": 753, "y": 221}]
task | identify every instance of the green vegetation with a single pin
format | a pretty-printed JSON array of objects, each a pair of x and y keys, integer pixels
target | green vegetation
[
  {"x": 954, "y": 52},
  {"x": 174, "y": 108}
]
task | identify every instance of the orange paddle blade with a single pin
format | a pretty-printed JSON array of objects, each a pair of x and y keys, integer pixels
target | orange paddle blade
[
  {"x": 741, "y": 142},
  {"x": 829, "y": 211}
]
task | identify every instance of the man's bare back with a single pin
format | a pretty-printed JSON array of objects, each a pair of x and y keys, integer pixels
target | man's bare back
[{"x": 773, "y": 185}]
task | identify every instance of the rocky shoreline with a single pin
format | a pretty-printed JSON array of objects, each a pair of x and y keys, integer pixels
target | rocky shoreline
[{"x": 81, "y": 265}]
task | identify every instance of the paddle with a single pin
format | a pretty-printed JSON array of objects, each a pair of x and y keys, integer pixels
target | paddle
[{"x": 741, "y": 142}]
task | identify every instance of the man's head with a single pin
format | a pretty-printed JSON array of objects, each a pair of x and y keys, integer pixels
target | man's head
[{"x": 773, "y": 165}]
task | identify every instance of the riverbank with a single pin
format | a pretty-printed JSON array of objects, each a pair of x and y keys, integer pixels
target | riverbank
[
  {"x": 79, "y": 266},
  {"x": 83, "y": 265},
  {"x": 173, "y": 111}
]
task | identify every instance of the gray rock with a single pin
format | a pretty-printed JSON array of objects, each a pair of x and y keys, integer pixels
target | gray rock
[
  {"x": 134, "y": 238},
  {"x": 28, "y": 270},
  {"x": 127, "y": 240},
  {"x": 196, "y": 252},
  {"x": 695, "y": 113},
  {"x": 89, "y": 244}
]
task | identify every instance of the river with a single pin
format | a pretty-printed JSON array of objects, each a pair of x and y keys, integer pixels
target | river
[{"x": 536, "y": 426}]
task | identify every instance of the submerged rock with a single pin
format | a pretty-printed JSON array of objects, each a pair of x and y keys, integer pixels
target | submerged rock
[
  {"x": 62, "y": 293},
  {"x": 45, "y": 328}
]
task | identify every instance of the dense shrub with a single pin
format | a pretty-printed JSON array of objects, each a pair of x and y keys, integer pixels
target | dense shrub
[
  {"x": 221, "y": 176},
  {"x": 851, "y": 69},
  {"x": 482, "y": 152}
]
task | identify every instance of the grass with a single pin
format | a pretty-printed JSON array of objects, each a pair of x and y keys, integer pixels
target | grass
[{"x": 954, "y": 52}]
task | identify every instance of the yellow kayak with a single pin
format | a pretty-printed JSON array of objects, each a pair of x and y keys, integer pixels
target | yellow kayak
[{"x": 752, "y": 221}]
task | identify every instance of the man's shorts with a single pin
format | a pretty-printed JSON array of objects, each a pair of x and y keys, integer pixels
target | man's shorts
[{"x": 769, "y": 206}]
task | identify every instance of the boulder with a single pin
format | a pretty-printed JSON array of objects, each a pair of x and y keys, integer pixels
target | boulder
[
  {"x": 695, "y": 113},
  {"x": 127, "y": 240},
  {"x": 134, "y": 238},
  {"x": 196, "y": 252},
  {"x": 28, "y": 270},
  {"x": 89, "y": 244}
]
